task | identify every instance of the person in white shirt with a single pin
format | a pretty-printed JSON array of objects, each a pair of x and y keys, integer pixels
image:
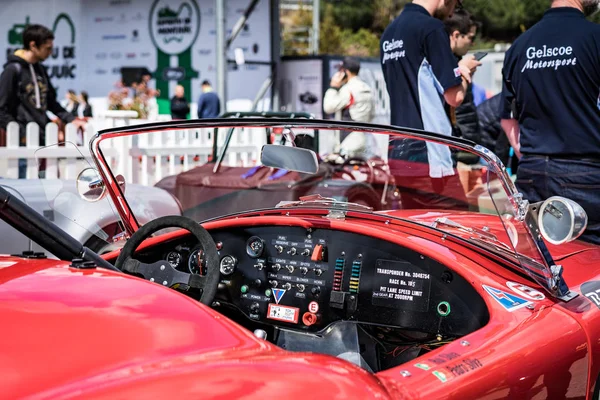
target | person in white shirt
[{"x": 350, "y": 98}]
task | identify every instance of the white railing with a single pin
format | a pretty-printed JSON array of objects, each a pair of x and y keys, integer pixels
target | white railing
[{"x": 143, "y": 159}]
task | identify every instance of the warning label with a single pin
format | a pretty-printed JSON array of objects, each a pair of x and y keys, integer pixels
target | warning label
[
  {"x": 401, "y": 285},
  {"x": 283, "y": 313}
]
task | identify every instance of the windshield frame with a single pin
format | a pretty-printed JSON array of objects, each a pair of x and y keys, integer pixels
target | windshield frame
[{"x": 520, "y": 207}]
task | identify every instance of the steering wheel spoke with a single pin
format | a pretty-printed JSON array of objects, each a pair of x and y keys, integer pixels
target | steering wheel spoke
[{"x": 162, "y": 272}]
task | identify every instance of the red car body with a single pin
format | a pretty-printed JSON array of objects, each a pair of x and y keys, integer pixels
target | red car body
[
  {"x": 87, "y": 330},
  {"x": 56, "y": 343}
]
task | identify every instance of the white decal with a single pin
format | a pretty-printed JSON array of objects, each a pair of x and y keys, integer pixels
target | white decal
[
  {"x": 283, "y": 313},
  {"x": 313, "y": 307},
  {"x": 594, "y": 296},
  {"x": 526, "y": 291}
]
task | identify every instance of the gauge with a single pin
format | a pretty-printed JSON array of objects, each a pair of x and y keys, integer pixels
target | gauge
[
  {"x": 227, "y": 265},
  {"x": 255, "y": 246},
  {"x": 195, "y": 262},
  {"x": 174, "y": 258}
]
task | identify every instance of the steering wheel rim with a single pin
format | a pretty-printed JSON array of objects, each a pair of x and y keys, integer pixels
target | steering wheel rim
[
  {"x": 371, "y": 174},
  {"x": 162, "y": 271}
]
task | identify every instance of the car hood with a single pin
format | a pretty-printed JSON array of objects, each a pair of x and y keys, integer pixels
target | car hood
[
  {"x": 90, "y": 322},
  {"x": 493, "y": 224},
  {"x": 94, "y": 333}
]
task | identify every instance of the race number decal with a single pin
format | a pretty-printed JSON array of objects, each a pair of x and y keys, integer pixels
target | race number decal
[
  {"x": 283, "y": 313},
  {"x": 591, "y": 290},
  {"x": 526, "y": 291}
]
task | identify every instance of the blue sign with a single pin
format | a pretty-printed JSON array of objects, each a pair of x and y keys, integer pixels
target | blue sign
[
  {"x": 507, "y": 300},
  {"x": 278, "y": 294}
]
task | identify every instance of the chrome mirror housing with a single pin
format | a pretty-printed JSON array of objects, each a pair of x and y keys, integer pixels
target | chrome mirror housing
[
  {"x": 561, "y": 220},
  {"x": 90, "y": 186}
]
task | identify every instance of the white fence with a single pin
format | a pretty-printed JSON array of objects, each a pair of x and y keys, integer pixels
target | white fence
[{"x": 143, "y": 159}]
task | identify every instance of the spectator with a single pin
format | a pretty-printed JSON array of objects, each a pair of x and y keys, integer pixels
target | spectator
[
  {"x": 462, "y": 29},
  {"x": 25, "y": 89},
  {"x": 209, "y": 105},
  {"x": 422, "y": 74},
  {"x": 71, "y": 103},
  {"x": 550, "y": 108},
  {"x": 179, "y": 105},
  {"x": 347, "y": 92},
  {"x": 84, "y": 110},
  {"x": 488, "y": 113},
  {"x": 351, "y": 98}
]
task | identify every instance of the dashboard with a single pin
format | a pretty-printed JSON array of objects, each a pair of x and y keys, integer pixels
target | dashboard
[{"x": 306, "y": 279}]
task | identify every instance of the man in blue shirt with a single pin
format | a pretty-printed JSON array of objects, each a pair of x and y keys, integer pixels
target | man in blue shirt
[
  {"x": 550, "y": 108},
  {"x": 209, "y": 105},
  {"x": 421, "y": 75}
]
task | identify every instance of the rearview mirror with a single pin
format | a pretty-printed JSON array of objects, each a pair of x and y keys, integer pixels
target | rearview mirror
[
  {"x": 289, "y": 158},
  {"x": 90, "y": 186},
  {"x": 561, "y": 220}
]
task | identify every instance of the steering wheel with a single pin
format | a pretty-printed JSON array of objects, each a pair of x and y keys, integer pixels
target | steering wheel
[
  {"x": 359, "y": 161},
  {"x": 161, "y": 271}
]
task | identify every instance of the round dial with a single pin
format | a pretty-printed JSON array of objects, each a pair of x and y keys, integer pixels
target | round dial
[
  {"x": 255, "y": 246},
  {"x": 174, "y": 258},
  {"x": 227, "y": 265},
  {"x": 195, "y": 262}
]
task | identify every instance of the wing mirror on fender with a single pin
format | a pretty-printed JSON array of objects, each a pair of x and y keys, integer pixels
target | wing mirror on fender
[
  {"x": 91, "y": 187},
  {"x": 561, "y": 220}
]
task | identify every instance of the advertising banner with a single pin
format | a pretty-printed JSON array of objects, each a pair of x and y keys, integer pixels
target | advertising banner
[{"x": 174, "y": 39}]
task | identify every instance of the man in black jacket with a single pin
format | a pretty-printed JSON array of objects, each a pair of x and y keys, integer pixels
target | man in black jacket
[
  {"x": 462, "y": 29},
  {"x": 26, "y": 93},
  {"x": 179, "y": 105}
]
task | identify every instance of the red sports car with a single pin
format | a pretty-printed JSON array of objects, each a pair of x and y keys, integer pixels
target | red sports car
[{"x": 312, "y": 297}]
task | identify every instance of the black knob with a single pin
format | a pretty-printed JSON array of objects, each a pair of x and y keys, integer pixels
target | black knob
[
  {"x": 257, "y": 283},
  {"x": 316, "y": 291},
  {"x": 254, "y": 307}
]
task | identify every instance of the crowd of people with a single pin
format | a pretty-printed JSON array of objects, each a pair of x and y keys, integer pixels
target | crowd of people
[
  {"x": 544, "y": 125},
  {"x": 79, "y": 106}
]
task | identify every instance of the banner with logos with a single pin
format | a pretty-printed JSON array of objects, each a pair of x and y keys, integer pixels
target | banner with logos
[{"x": 174, "y": 39}]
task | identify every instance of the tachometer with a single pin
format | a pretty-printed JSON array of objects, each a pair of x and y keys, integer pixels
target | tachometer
[
  {"x": 227, "y": 265},
  {"x": 174, "y": 258},
  {"x": 195, "y": 262}
]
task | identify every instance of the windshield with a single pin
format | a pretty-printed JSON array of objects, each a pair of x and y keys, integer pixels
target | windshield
[{"x": 444, "y": 184}]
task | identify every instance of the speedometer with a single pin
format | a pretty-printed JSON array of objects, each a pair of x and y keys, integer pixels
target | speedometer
[
  {"x": 174, "y": 258},
  {"x": 195, "y": 262}
]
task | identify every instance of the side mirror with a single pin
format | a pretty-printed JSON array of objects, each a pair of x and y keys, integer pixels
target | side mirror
[
  {"x": 90, "y": 186},
  {"x": 561, "y": 220},
  {"x": 289, "y": 158}
]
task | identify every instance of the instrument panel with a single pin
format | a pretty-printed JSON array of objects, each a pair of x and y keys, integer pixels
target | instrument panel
[{"x": 308, "y": 278}]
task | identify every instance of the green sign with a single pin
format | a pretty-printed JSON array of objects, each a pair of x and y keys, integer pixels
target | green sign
[{"x": 174, "y": 27}]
